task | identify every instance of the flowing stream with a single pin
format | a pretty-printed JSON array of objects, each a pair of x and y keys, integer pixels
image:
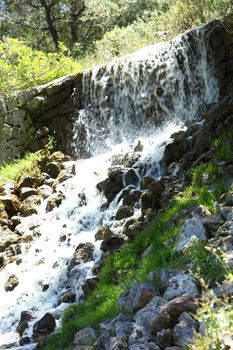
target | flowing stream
[{"x": 145, "y": 96}]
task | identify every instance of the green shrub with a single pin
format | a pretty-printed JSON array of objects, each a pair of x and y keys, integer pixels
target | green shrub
[{"x": 23, "y": 67}]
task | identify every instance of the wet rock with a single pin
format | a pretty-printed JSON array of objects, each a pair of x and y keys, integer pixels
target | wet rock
[
  {"x": 138, "y": 147},
  {"x": 11, "y": 283},
  {"x": 123, "y": 212},
  {"x": 150, "y": 198},
  {"x": 193, "y": 230},
  {"x": 131, "y": 198},
  {"x": 7, "y": 237},
  {"x": 44, "y": 191},
  {"x": 24, "y": 341},
  {"x": 133, "y": 229},
  {"x": 103, "y": 233},
  {"x": 149, "y": 202},
  {"x": 11, "y": 204},
  {"x": 68, "y": 297},
  {"x": 181, "y": 285},
  {"x": 167, "y": 316},
  {"x": 146, "y": 182},
  {"x": 130, "y": 159},
  {"x": 52, "y": 169},
  {"x": 27, "y": 181},
  {"x": 175, "y": 150},
  {"x": 90, "y": 285},
  {"x": 131, "y": 178},
  {"x": 137, "y": 297},
  {"x": 44, "y": 326},
  {"x": 112, "y": 185},
  {"x": 63, "y": 176},
  {"x": 86, "y": 336},
  {"x": 184, "y": 331},
  {"x": 83, "y": 253},
  {"x": 164, "y": 338},
  {"x": 30, "y": 206},
  {"x": 54, "y": 201},
  {"x": 112, "y": 243},
  {"x": 26, "y": 192},
  {"x": 26, "y": 316}
]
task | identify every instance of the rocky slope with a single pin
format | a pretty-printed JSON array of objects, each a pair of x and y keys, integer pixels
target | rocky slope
[{"x": 159, "y": 312}]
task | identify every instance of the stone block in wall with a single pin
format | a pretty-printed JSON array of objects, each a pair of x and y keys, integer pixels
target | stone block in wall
[{"x": 37, "y": 103}]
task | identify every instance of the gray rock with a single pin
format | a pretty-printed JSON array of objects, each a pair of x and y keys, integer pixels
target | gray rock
[
  {"x": 181, "y": 285},
  {"x": 137, "y": 297},
  {"x": 118, "y": 326},
  {"x": 86, "y": 336},
  {"x": 117, "y": 344},
  {"x": 164, "y": 338},
  {"x": 143, "y": 316},
  {"x": 144, "y": 345},
  {"x": 184, "y": 331},
  {"x": 168, "y": 314},
  {"x": 193, "y": 230}
]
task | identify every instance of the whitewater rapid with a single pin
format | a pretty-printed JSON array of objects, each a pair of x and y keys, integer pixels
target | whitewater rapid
[{"x": 44, "y": 261}]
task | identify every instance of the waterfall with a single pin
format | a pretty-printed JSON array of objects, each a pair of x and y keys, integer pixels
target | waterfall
[
  {"x": 156, "y": 85},
  {"x": 147, "y": 95}
]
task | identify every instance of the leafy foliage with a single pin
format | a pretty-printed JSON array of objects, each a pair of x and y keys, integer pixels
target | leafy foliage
[{"x": 23, "y": 67}]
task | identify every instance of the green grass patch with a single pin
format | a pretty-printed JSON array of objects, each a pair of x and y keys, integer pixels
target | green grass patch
[{"x": 26, "y": 166}]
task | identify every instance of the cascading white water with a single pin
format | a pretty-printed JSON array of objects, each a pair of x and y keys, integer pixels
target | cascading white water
[
  {"x": 121, "y": 102},
  {"x": 158, "y": 84}
]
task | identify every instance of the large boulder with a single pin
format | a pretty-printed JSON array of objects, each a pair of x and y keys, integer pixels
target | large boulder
[
  {"x": 184, "y": 332},
  {"x": 103, "y": 232}
]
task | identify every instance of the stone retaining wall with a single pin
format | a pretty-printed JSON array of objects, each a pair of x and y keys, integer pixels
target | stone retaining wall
[{"x": 29, "y": 118}]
